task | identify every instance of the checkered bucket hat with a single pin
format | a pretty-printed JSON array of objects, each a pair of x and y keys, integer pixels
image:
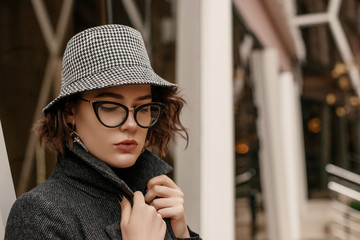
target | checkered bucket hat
[{"x": 105, "y": 56}]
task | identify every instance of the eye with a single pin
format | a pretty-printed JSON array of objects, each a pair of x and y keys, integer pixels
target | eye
[
  {"x": 109, "y": 107},
  {"x": 144, "y": 109}
]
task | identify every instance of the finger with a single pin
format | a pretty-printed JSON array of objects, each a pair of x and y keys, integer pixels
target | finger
[
  {"x": 163, "y": 227},
  {"x": 169, "y": 208},
  {"x": 125, "y": 211},
  {"x": 138, "y": 199},
  {"x": 175, "y": 213},
  {"x": 162, "y": 192},
  {"x": 161, "y": 203},
  {"x": 162, "y": 180}
]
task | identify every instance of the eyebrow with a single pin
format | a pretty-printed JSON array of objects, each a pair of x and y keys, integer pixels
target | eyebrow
[{"x": 119, "y": 96}]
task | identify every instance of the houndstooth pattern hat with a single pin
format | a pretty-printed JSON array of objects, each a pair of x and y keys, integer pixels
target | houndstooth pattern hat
[{"x": 103, "y": 57}]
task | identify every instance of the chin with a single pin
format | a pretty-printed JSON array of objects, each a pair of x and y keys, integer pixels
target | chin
[{"x": 124, "y": 161}]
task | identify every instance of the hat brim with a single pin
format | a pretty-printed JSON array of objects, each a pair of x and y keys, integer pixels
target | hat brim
[{"x": 113, "y": 77}]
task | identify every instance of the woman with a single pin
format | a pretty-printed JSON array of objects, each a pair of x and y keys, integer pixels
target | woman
[{"x": 106, "y": 184}]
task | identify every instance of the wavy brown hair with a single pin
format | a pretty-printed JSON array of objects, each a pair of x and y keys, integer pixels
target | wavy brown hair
[
  {"x": 54, "y": 133},
  {"x": 169, "y": 123},
  {"x": 52, "y": 130}
]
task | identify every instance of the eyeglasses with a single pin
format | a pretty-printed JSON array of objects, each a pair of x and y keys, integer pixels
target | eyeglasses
[{"x": 113, "y": 114}]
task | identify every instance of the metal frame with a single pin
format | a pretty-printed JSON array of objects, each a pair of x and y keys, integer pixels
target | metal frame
[
  {"x": 54, "y": 40},
  {"x": 347, "y": 218},
  {"x": 331, "y": 18},
  {"x": 343, "y": 173},
  {"x": 135, "y": 17}
]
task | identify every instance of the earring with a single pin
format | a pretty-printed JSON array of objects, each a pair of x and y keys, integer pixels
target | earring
[{"x": 76, "y": 138}]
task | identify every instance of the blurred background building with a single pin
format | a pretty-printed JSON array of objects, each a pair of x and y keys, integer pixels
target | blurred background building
[{"x": 273, "y": 104}]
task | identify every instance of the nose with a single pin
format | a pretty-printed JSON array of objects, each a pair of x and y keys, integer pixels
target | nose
[{"x": 130, "y": 123}]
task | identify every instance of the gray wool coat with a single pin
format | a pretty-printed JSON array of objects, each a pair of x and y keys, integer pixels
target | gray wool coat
[{"x": 81, "y": 199}]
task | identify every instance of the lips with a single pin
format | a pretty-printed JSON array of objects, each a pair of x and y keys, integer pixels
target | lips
[{"x": 127, "y": 145}]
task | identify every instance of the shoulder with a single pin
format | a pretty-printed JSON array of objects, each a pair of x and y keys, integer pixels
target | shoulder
[
  {"x": 37, "y": 214},
  {"x": 36, "y": 199}
]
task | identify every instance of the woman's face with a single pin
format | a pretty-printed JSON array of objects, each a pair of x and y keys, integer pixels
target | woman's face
[{"x": 120, "y": 146}]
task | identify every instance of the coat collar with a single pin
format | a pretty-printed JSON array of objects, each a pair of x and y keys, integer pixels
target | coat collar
[{"x": 94, "y": 176}]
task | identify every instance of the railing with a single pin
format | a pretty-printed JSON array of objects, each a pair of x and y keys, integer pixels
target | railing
[{"x": 346, "y": 188}]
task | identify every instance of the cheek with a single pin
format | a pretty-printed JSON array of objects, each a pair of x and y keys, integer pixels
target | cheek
[
  {"x": 87, "y": 125},
  {"x": 143, "y": 134}
]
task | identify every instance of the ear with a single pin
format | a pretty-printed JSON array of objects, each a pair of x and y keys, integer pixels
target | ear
[{"x": 69, "y": 113}]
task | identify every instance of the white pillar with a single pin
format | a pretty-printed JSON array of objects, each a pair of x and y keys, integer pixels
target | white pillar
[
  {"x": 2, "y": 229},
  {"x": 281, "y": 154},
  {"x": 187, "y": 162},
  {"x": 205, "y": 171},
  {"x": 7, "y": 191},
  {"x": 292, "y": 158}
]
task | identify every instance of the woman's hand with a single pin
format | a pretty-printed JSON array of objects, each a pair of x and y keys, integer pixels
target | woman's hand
[
  {"x": 140, "y": 222},
  {"x": 168, "y": 200}
]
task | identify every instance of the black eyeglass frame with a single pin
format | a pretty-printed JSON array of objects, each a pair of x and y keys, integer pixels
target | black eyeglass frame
[{"x": 97, "y": 104}]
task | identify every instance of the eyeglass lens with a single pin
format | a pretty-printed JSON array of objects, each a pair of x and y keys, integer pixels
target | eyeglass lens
[{"x": 113, "y": 115}]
